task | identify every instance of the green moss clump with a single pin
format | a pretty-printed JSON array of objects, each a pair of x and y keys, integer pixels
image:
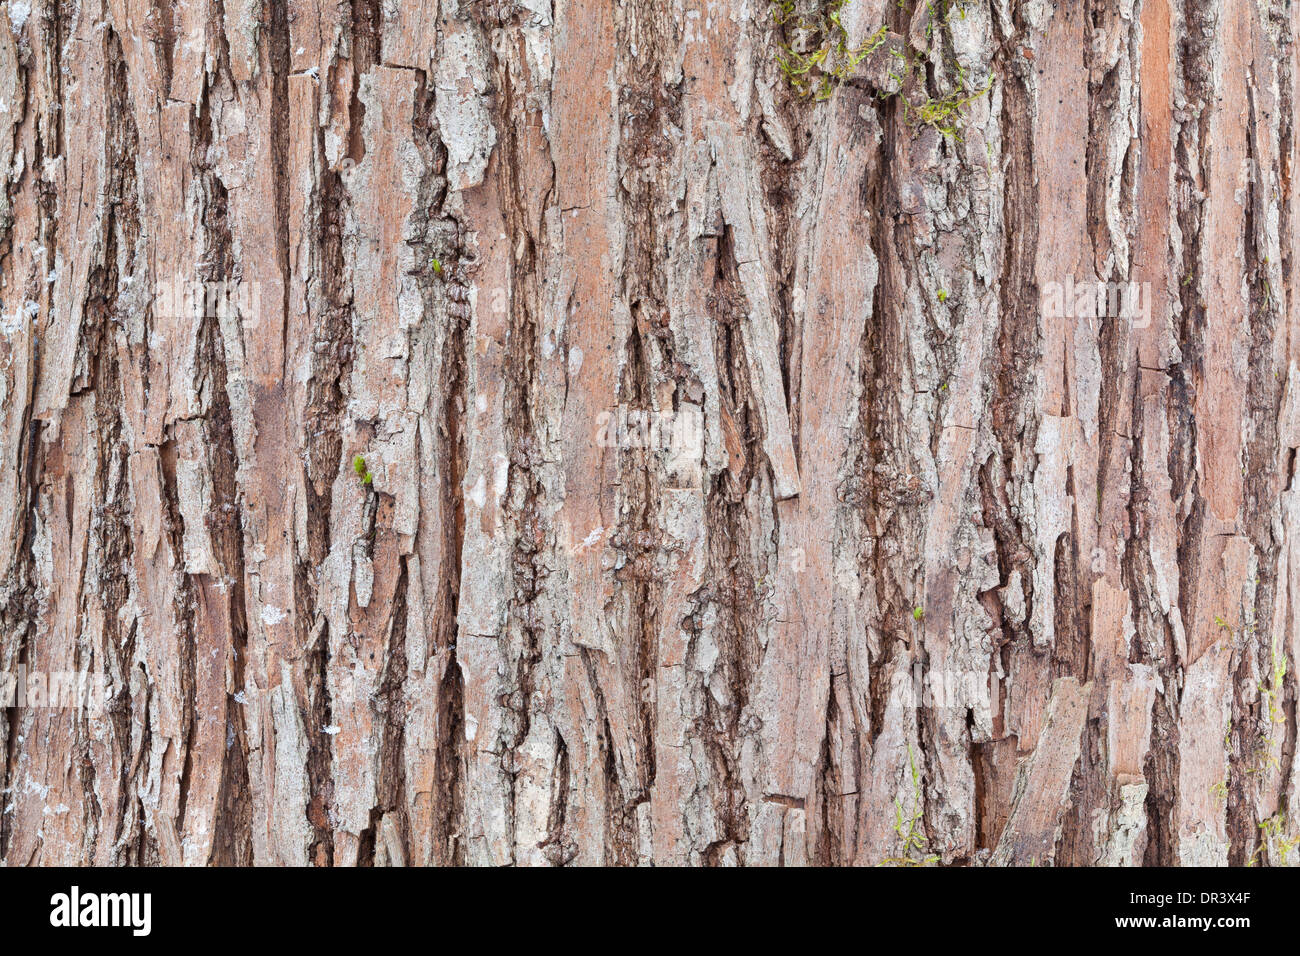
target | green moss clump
[
  {"x": 814, "y": 54},
  {"x": 359, "y": 466}
]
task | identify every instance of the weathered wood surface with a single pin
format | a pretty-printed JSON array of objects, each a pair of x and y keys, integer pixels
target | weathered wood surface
[{"x": 918, "y": 560}]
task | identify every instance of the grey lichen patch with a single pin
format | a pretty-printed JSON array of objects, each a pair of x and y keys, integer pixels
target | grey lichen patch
[{"x": 463, "y": 118}]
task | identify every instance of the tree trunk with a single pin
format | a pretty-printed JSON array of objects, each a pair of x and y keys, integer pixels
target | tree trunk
[{"x": 502, "y": 431}]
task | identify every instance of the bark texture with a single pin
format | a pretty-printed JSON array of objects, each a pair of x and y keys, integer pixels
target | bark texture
[{"x": 383, "y": 566}]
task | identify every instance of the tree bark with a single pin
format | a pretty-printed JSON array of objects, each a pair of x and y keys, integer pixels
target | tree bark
[{"x": 514, "y": 432}]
